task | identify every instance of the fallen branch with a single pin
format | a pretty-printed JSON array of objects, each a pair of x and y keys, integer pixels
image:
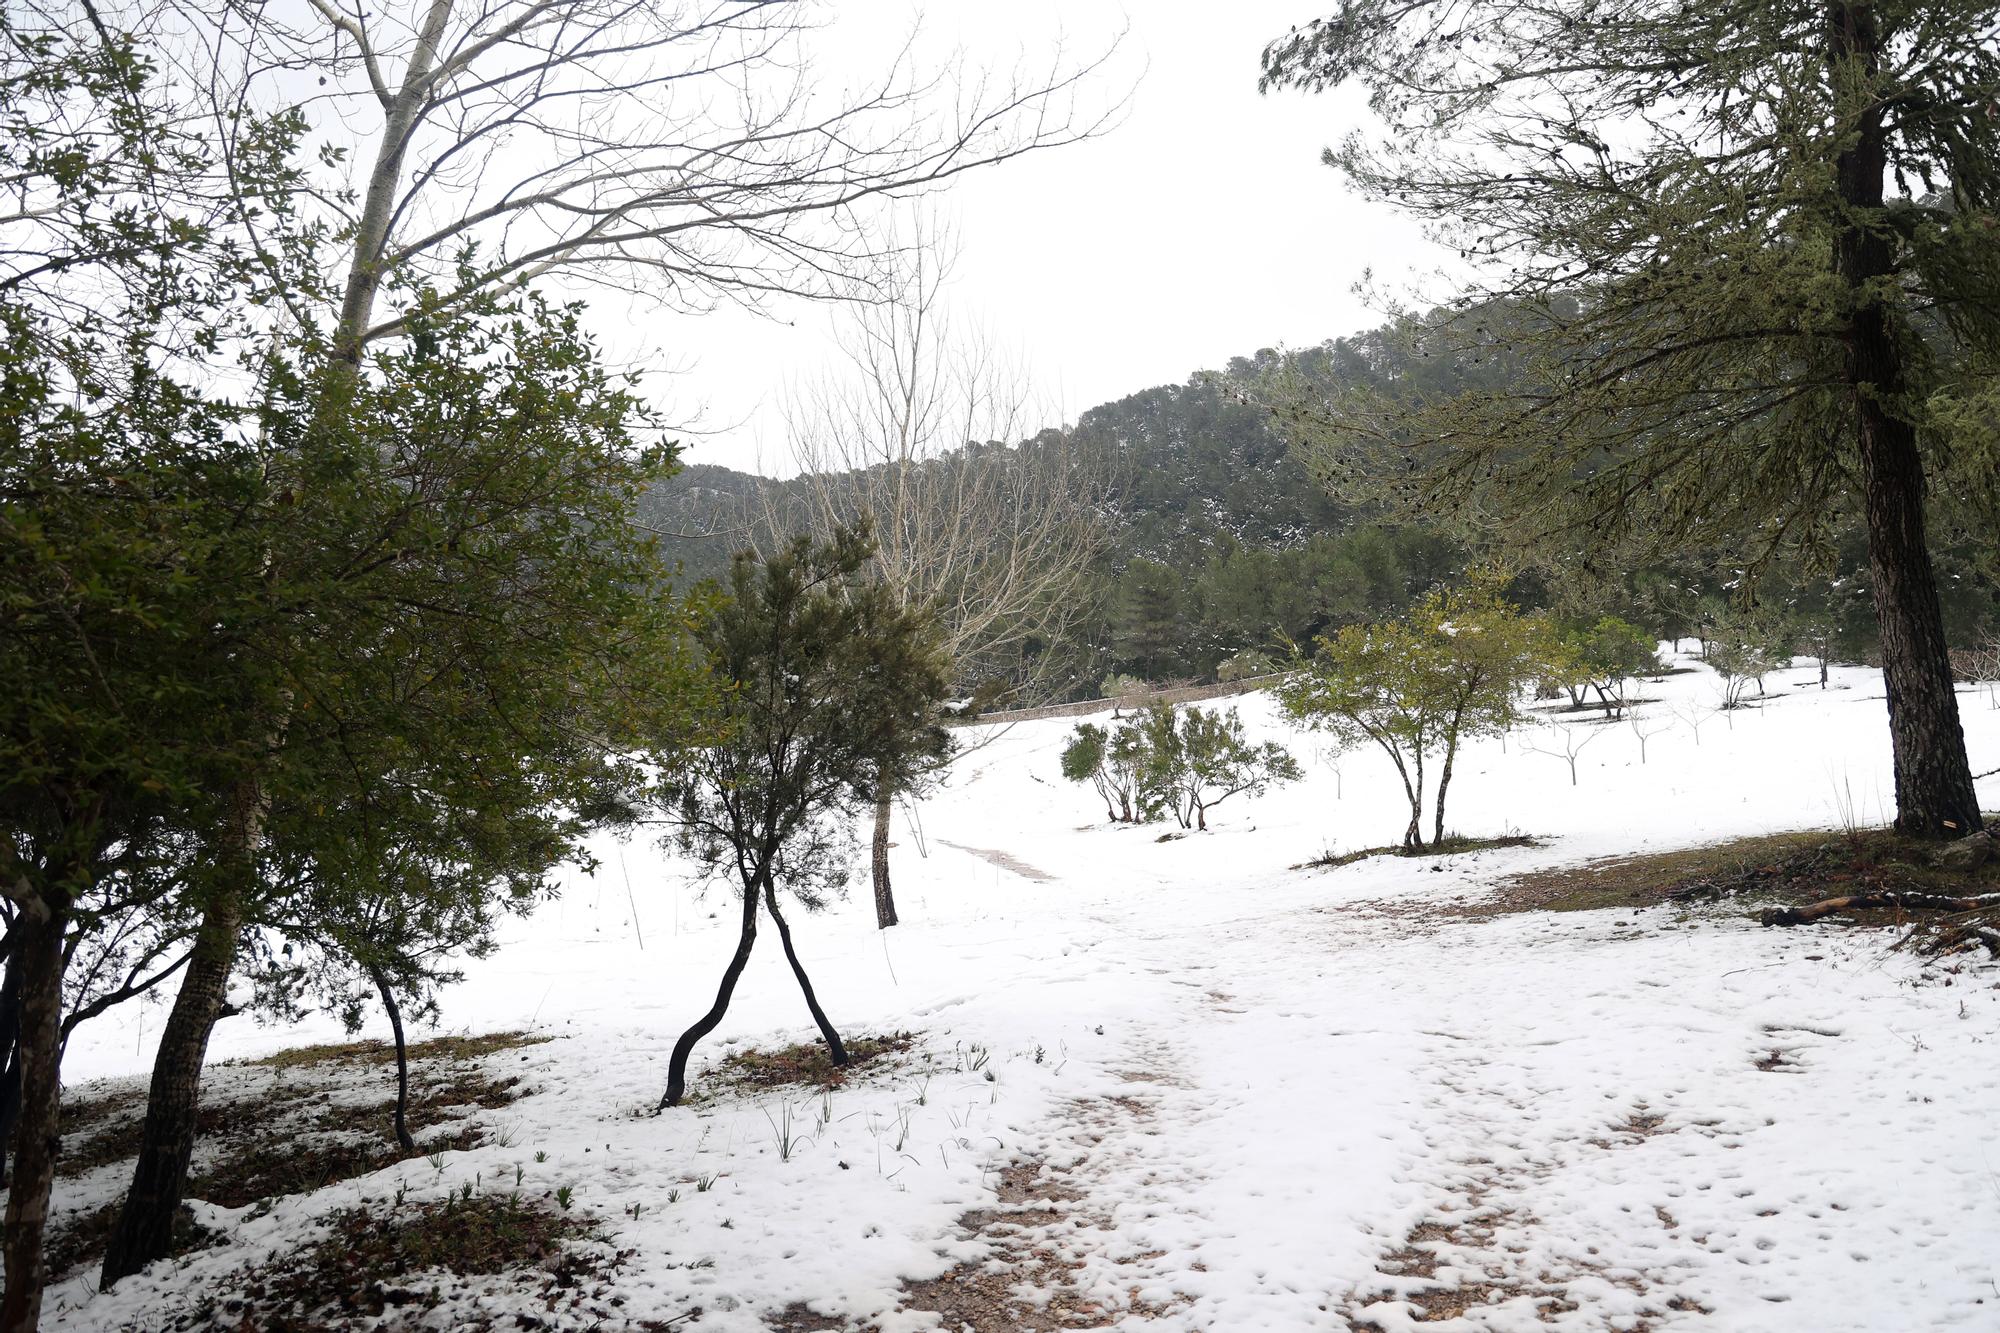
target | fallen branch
[{"x": 1928, "y": 902}]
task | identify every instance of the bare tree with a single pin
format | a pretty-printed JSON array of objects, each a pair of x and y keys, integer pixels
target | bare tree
[
  {"x": 932, "y": 437},
  {"x": 1573, "y": 738},
  {"x": 686, "y": 151},
  {"x": 683, "y": 149}
]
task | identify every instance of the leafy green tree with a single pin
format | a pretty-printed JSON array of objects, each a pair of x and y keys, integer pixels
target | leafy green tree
[
  {"x": 1245, "y": 665},
  {"x": 1416, "y": 687},
  {"x": 464, "y": 630},
  {"x": 1603, "y": 657},
  {"x": 1110, "y": 760},
  {"x": 1193, "y": 759},
  {"x": 1744, "y": 647},
  {"x": 122, "y": 550},
  {"x": 831, "y": 688},
  {"x": 1149, "y": 620},
  {"x": 1738, "y": 258}
]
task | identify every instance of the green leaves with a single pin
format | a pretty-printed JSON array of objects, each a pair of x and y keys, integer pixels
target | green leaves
[
  {"x": 828, "y": 690},
  {"x": 1178, "y": 763}
]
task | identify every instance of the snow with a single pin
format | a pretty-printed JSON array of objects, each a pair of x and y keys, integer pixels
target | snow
[{"x": 1260, "y": 1078}]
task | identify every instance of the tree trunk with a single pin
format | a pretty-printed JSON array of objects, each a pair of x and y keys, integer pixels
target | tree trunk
[
  {"x": 833, "y": 1042},
  {"x": 145, "y": 1227},
  {"x": 38, "y": 952},
  {"x": 1934, "y": 792},
  {"x": 1444, "y": 784},
  {"x": 401, "y": 1120},
  {"x": 885, "y": 899},
  {"x": 1413, "y": 836},
  {"x": 10, "y": 1050},
  {"x": 677, "y": 1064}
]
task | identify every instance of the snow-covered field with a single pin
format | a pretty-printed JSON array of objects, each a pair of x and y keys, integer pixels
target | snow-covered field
[{"x": 1262, "y": 1080}]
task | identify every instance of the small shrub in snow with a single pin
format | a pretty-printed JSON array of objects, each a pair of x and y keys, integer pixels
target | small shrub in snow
[
  {"x": 1452, "y": 668},
  {"x": 1110, "y": 761},
  {"x": 1246, "y": 665},
  {"x": 1195, "y": 759},
  {"x": 1602, "y": 658}
]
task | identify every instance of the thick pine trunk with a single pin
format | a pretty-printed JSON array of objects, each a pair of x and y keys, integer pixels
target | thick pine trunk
[
  {"x": 39, "y": 955},
  {"x": 834, "y": 1047},
  {"x": 400, "y": 1121},
  {"x": 746, "y": 940},
  {"x": 145, "y": 1227},
  {"x": 1934, "y": 792},
  {"x": 885, "y": 898}
]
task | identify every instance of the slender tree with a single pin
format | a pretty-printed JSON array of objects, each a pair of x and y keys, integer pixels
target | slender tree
[
  {"x": 1452, "y": 669},
  {"x": 832, "y": 689},
  {"x": 979, "y": 513},
  {"x": 1741, "y": 258}
]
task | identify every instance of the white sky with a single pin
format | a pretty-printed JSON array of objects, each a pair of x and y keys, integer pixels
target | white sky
[{"x": 1202, "y": 227}]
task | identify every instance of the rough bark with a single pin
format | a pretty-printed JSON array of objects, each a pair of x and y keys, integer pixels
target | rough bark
[
  {"x": 38, "y": 951},
  {"x": 400, "y": 1121},
  {"x": 885, "y": 898},
  {"x": 10, "y": 1052},
  {"x": 677, "y": 1064},
  {"x": 834, "y": 1047},
  {"x": 1934, "y": 791},
  {"x": 146, "y": 1223}
]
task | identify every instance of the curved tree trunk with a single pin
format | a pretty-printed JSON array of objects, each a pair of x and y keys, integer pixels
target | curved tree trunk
[
  {"x": 677, "y": 1064},
  {"x": 38, "y": 953},
  {"x": 885, "y": 898},
  {"x": 1934, "y": 791},
  {"x": 401, "y": 1120},
  {"x": 833, "y": 1042},
  {"x": 145, "y": 1227}
]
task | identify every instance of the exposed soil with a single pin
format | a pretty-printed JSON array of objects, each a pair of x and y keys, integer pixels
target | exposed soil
[
  {"x": 1036, "y": 1234},
  {"x": 806, "y": 1064},
  {"x": 380, "y": 1268},
  {"x": 1452, "y": 844},
  {"x": 293, "y": 1134},
  {"x": 1785, "y": 868}
]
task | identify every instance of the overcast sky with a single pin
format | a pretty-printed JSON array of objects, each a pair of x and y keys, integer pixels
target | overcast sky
[{"x": 1202, "y": 227}]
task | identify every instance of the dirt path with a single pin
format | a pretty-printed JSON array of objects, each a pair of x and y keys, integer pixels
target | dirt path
[
  {"x": 1046, "y": 1243},
  {"x": 1012, "y": 864}
]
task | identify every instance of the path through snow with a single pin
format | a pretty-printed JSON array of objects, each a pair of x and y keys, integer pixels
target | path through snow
[{"x": 1185, "y": 1088}]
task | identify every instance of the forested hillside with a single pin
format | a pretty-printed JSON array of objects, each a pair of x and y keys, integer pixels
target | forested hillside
[{"x": 1221, "y": 543}]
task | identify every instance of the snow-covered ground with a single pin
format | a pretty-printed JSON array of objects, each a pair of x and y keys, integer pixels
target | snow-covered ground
[{"x": 1263, "y": 1079}]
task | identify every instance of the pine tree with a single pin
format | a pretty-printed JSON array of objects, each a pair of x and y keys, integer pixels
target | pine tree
[
  {"x": 831, "y": 688},
  {"x": 1742, "y": 257}
]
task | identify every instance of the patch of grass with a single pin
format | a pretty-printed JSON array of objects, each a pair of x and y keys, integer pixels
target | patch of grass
[
  {"x": 382, "y": 1052},
  {"x": 383, "y": 1260},
  {"x": 1451, "y": 844},
  {"x": 291, "y": 1164},
  {"x": 80, "y": 1113},
  {"x": 1791, "y": 868},
  {"x": 78, "y": 1240},
  {"x": 807, "y": 1064},
  {"x": 261, "y": 1130}
]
